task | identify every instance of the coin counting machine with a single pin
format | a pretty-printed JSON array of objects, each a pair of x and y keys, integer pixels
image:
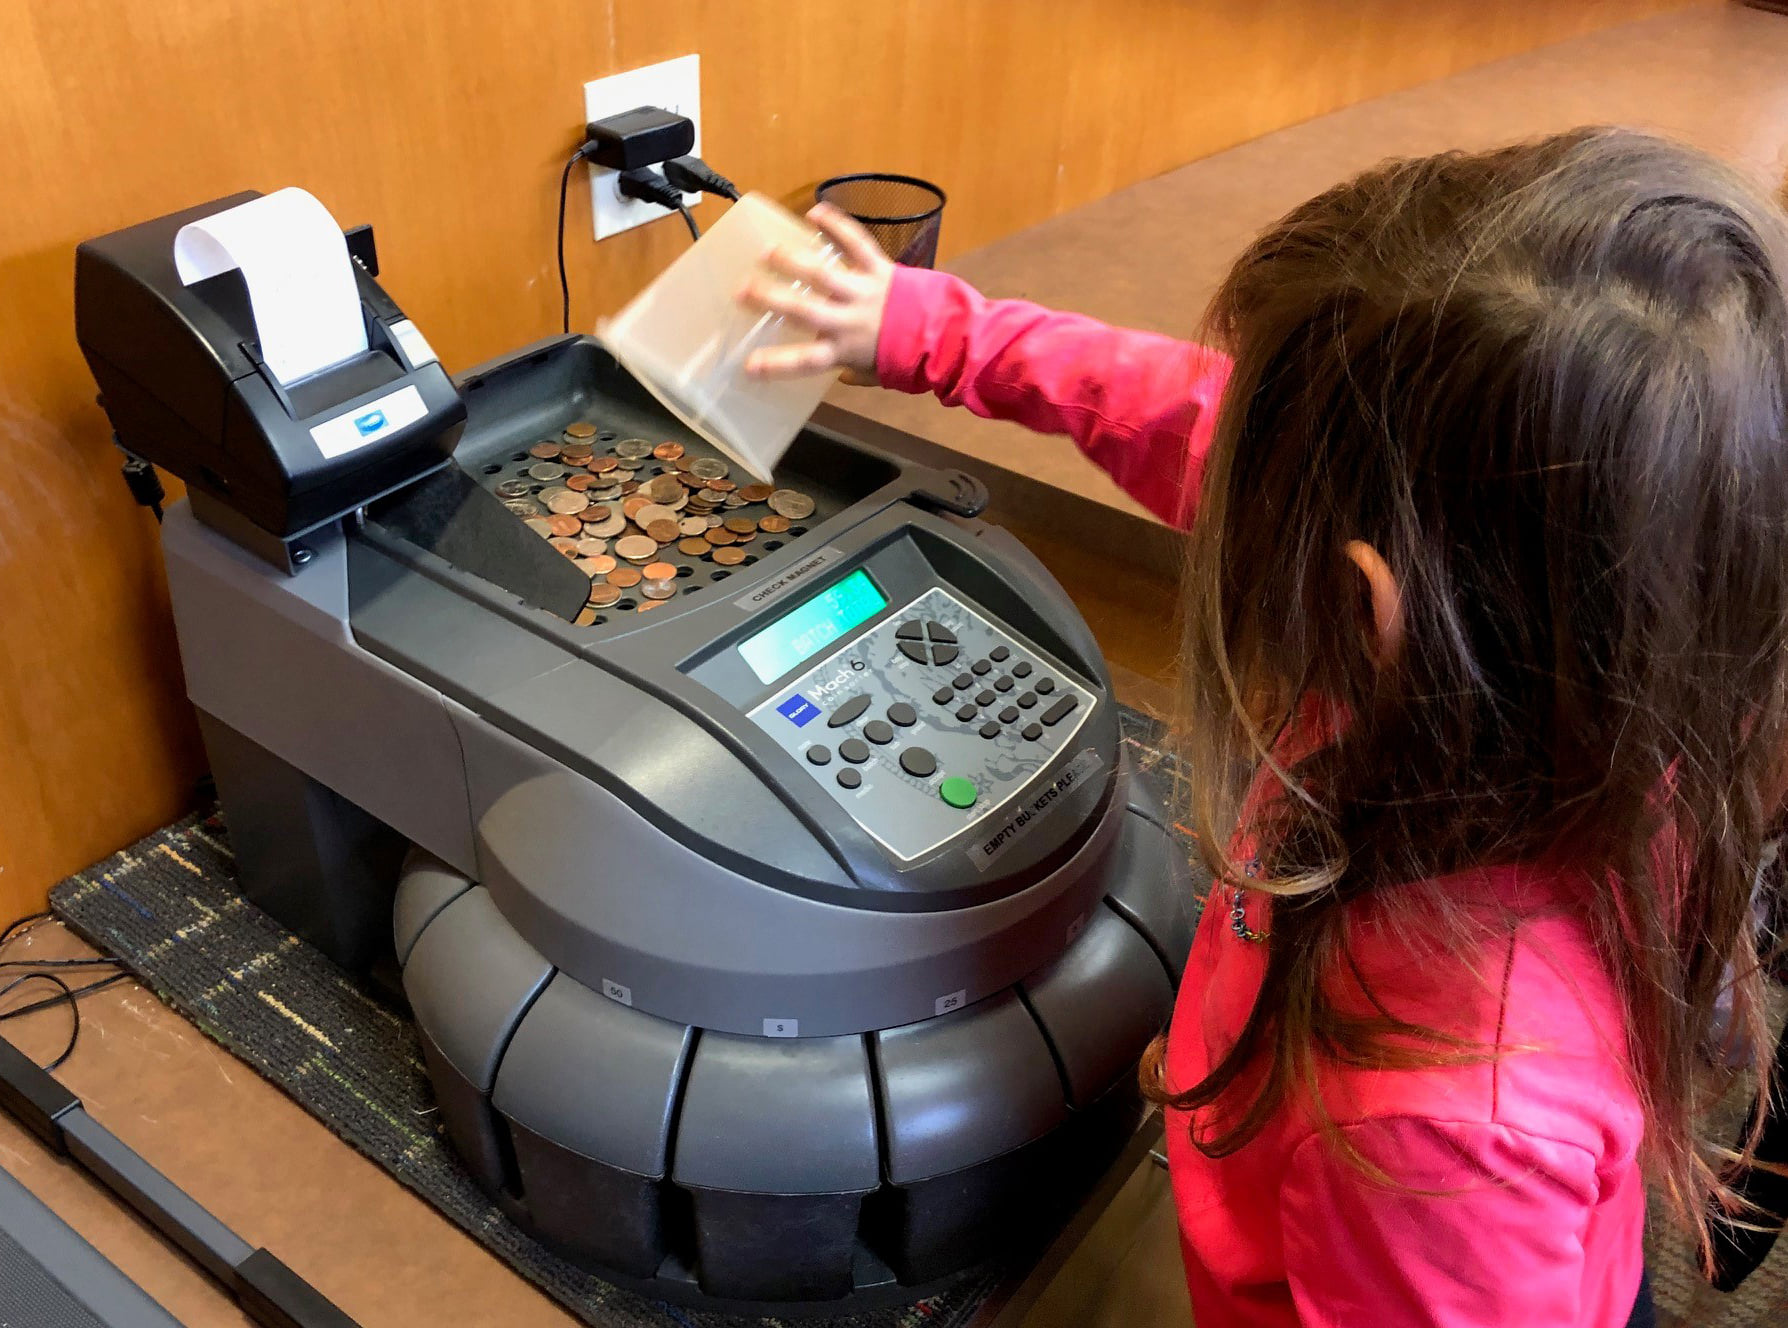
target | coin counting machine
[{"x": 795, "y": 942}]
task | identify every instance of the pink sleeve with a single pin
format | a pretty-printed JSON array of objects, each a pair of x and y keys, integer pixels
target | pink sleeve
[
  {"x": 1501, "y": 1244},
  {"x": 1143, "y": 407}
]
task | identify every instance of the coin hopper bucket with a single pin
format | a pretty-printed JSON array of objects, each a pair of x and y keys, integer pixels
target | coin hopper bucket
[
  {"x": 687, "y": 338},
  {"x": 902, "y": 212}
]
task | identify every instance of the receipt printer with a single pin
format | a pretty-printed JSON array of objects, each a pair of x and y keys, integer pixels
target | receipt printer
[{"x": 181, "y": 375}]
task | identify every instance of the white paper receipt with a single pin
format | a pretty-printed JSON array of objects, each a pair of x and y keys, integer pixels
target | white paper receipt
[{"x": 300, "y": 279}]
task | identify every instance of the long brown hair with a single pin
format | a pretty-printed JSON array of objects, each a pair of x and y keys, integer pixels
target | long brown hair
[{"x": 1548, "y": 385}]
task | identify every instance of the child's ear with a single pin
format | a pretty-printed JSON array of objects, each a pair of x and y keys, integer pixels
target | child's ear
[{"x": 1385, "y": 597}]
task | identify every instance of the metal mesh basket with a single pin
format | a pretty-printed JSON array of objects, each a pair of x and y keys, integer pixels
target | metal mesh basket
[{"x": 903, "y": 213}]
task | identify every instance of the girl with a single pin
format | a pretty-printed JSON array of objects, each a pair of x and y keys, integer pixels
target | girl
[{"x": 1485, "y": 675}]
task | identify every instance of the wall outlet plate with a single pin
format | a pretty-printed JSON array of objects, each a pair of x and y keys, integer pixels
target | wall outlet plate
[{"x": 675, "y": 86}]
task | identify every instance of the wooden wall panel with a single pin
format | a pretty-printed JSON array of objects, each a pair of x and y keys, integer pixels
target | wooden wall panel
[{"x": 445, "y": 124}]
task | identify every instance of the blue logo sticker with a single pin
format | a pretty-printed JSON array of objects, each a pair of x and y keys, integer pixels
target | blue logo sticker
[
  {"x": 798, "y": 710},
  {"x": 370, "y": 423}
]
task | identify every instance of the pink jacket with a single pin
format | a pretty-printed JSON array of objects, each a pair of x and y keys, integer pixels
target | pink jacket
[{"x": 1519, "y": 1198}]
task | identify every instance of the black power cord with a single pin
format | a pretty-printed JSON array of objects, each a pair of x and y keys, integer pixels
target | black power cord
[
  {"x": 587, "y": 150},
  {"x": 692, "y": 175},
  {"x": 66, "y": 994},
  {"x": 648, "y": 186}
]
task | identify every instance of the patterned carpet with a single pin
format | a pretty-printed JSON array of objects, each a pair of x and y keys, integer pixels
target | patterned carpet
[{"x": 169, "y": 908}]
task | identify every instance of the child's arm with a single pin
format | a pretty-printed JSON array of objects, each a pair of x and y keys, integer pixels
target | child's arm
[
  {"x": 1485, "y": 1226},
  {"x": 1142, "y": 406}
]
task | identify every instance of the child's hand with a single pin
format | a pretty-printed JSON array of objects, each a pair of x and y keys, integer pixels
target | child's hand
[{"x": 840, "y": 299}]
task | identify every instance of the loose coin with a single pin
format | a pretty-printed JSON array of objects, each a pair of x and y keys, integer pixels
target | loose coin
[
  {"x": 589, "y": 566},
  {"x": 629, "y": 486},
  {"x": 608, "y": 527},
  {"x": 722, "y": 486},
  {"x": 563, "y": 524},
  {"x": 544, "y": 451},
  {"x": 568, "y": 503},
  {"x": 712, "y": 497},
  {"x": 773, "y": 525},
  {"x": 662, "y": 532},
  {"x": 691, "y": 525},
  {"x": 657, "y": 589},
  {"x": 637, "y": 548},
  {"x": 662, "y": 489},
  {"x": 575, "y": 451},
  {"x": 581, "y": 429},
  {"x": 540, "y": 526},
  {"x": 713, "y": 520},
  {"x": 607, "y": 494},
  {"x": 522, "y": 507},
  {"x": 747, "y": 538},
  {"x": 649, "y": 604},
  {"x": 514, "y": 489},
  {"x": 586, "y": 617},
  {"x": 603, "y": 596},
  {"x": 603, "y": 464},
  {"x": 721, "y": 535},
  {"x": 634, "y": 505},
  {"x": 695, "y": 547},
  {"x": 668, "y": 451},
  {"x": 648, "y": 512},
  {"x": 729, "y": 557},
  {"x": 565, "y": 545},
  {"x": 733, "y": 500},
  {"x": 591, "y": 547},
  {"x": 546, "y": 470},
  {"x": 624, "y": 577},
  {"x": 707, "y": 468},
  {"x": 601, "y": 564},
  {"x": 741, "y": 525},
  {"x": 580, "y": 483},
  {"x": 792, "y": 504},
  {"x": 633, "y": 449},
  {"x": 658, "y": 571},
  {"x": 755, "y": 493}
]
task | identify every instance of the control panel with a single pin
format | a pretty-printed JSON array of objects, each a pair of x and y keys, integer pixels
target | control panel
[{"x": 926, "y": 723}]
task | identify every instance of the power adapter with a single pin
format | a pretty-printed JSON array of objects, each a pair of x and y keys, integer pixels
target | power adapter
[{"x": 633, "y": 140}]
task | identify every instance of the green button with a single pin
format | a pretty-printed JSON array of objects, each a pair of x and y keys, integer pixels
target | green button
[{"x": 957, "y": 791}]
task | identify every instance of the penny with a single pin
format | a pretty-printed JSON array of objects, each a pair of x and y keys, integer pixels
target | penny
[
  {"x": 546, "y": 470},
  {"x": 658, "y": 571},
  {"x": 755, "y": 493},
  {"x": 573, "y": 451},
  {"x": 624, "y": 577},
  {"x": 544, "y": 451},
  {"x": 589, "y": 566},
  {"x": 581, "y": 429},
  {"x": 603, "y": 464},
  {"x": 695, "y": 547},
  {"x": 580, "y": 483},
  {"x": 650, "y": 604},
  {"x": 586, "y": 617},
  {"x": 563, "y": 524},
  {"x": 540, "y": 526},
  {"x": 729, "y": 557},
  {"x": 637, "y": 548},
  {"x": 601, "y": 565},
  {"x": 635, "y": 505},
  {"x": 662, "y": 532},
  {"x": 662, "y": 489},
  {"x": 567, "y": 503},
  {"x": 591, "y": 547},
  {"x": 633, "y": 449},
  {"x": 741, "y": 525},
  {"x": 773, "y": 525},
  {"x": 685, "y": 464},
  {"x": 603, "y": 596},
  {"x": 564, "y": 544},
  {"x": 608, "y": 527},
  {"x": 630, "y": 487},
  {"x": 522, "y": 507},
  {"x": 746, "y": 539},
  {"x": 668, "y": 451},
  {"x": 581, "y": 462},
  {"x": 721, "y": 535},
  {"x": 514, "y": 489},
  {"x": 722, "y": 486},
  {"x": 657, "y": 588},
  {"x": 708, "y": 468},
  {"x": 789, "y": 503}
]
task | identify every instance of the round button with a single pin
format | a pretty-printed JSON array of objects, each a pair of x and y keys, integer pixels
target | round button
[
  {"x": 1009, "y": 714},
  {"x": 878, "y": 732},
  {"x": 849, "y": 778},
  {"x": 854, "y": 750},
  {"x": 957, "y": 791},
  {"x": 918, "y": 762},
  {"x": 1031, "y": 732},
  {"x": 966, "y": 713},
  {"x": 1022, "y": 670},
  {"x": 819, "y": 755},
  {"x": 985, "y": 698},
  {"x": 1003, "y": 683},
  {"x": 999, "y": 654},
  {"x": 1045, "y": 686},
  {"x": 990, "y": 730},
  {"x": 903, "y": 714},
  {"x": 943, "y": 696},
  {"x": 1026, "y": 700},
  {"x": 980, "y": 667}
]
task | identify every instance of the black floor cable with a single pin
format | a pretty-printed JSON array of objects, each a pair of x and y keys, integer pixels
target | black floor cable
[{"x": 41, "y": 971}]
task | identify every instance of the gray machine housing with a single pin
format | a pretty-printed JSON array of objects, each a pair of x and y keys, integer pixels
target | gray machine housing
[{"x": 689, "y": 1017}]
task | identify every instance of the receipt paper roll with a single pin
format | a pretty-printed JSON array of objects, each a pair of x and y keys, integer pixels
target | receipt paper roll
[{"x": 300, "y": 278}]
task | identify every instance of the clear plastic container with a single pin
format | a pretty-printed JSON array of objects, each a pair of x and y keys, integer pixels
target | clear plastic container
[{"x": 686, "y": 337}]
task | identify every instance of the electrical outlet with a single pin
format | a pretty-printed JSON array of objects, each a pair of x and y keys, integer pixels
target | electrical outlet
[{"x": 675, "y": 86}]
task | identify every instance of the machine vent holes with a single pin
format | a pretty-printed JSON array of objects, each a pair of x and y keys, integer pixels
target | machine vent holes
[
  {"x": 519, "y": 456},
  {"x": 797, "y": 530},
  {"x": 770, "y": 546},
  {"x": 685, "y": 570},
  {"x": 719, "y": 575},
  {"x": 493, "y": 470},
  {"x": 626, "y": 606}
]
